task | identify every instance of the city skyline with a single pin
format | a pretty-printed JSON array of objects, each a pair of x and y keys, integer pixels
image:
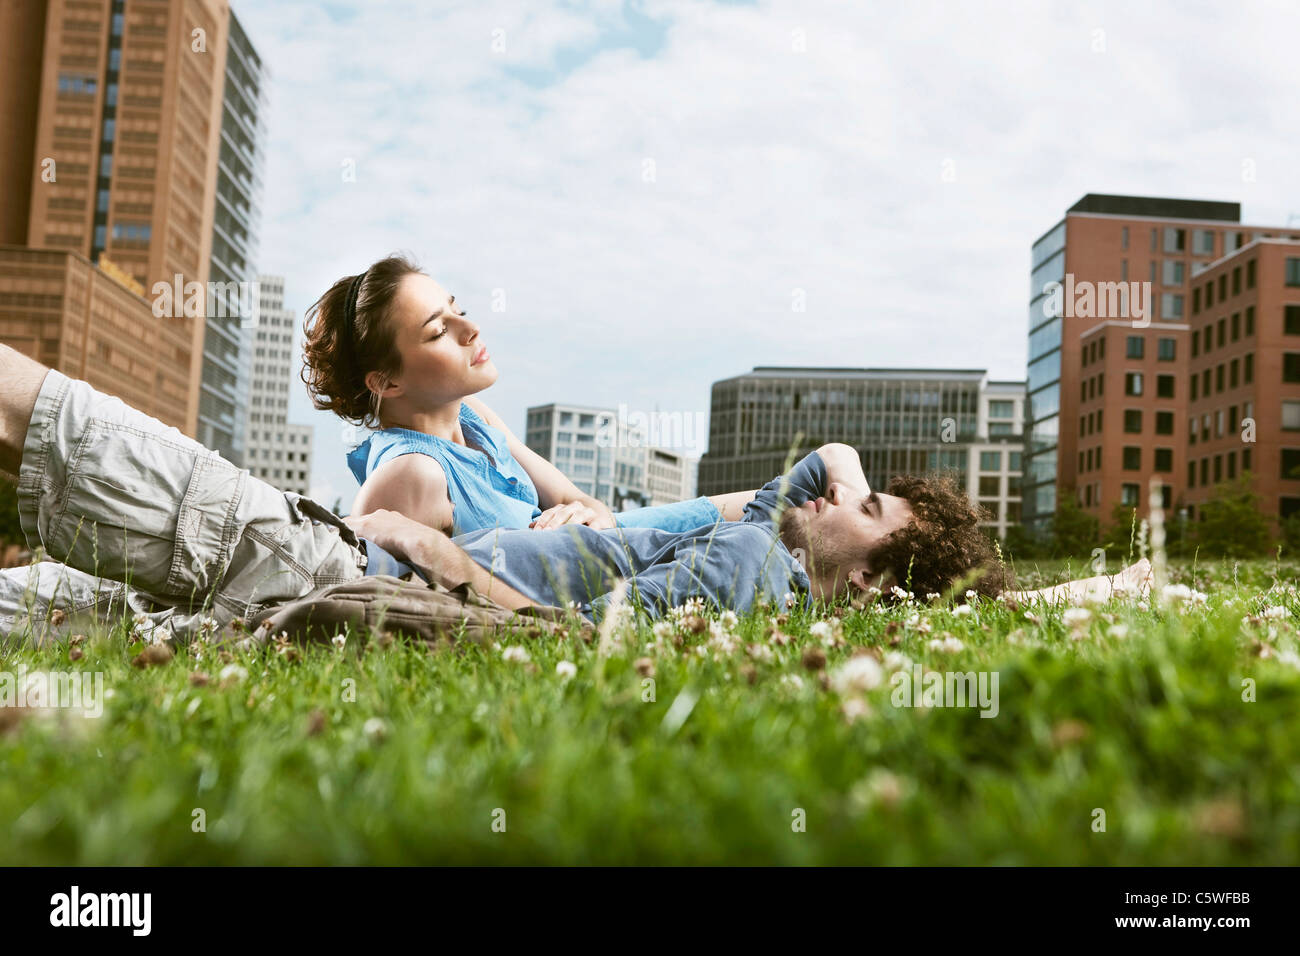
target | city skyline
[{"x": 901, "y": 193}]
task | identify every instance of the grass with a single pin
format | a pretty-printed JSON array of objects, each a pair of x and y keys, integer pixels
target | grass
[{"x": 403, "y": 754}]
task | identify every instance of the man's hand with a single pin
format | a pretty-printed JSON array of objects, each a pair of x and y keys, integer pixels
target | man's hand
[
  {"x": 395, "y": 533},
  {"x": 592, "y": 513},
  {"x": 434, "y": 554}
]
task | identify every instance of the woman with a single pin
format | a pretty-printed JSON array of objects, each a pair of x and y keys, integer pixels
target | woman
[{"x": 390, "y": 349}]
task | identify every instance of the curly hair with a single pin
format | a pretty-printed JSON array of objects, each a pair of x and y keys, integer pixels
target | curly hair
[
  {"x": 942, "y": 546},
  {"x": 336, "y": 357}
]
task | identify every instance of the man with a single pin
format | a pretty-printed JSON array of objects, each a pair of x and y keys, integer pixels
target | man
[{"x": 146, "y": 521}]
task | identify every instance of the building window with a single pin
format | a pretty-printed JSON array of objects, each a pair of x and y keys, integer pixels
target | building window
[
  {"x": 1173, "y": 272},
  {"x": 1001, "y": 409},
  {"x": 1171, "y": 306},
  {"x": 1164, "y": 423},
  {"x": 1133, "y": 382},
  {"x": 1133, "y": 421},
  {"x": 1291, "y": 416},
  {"x": 1291, "y": 463},
  {"x": 1134, "y": 347},
  {"x": 1164, "y": 459},
  {"x": 1236, "y": 281},
  {"x": 1250, "y": 274},
  {"x": 1204, "y": 242},
  {"x": 1290, "y": 366},
  {"x": 1232, "y": 373},
  {"x": 1164, "y": 386},
  {"x": 1248, "y": 368},
  {"x": 1293, "y": 271},
  {"x": 1291, "y": 320},
  {"x": 1132, "y": 458},
  {"x": 1123, "y": 237},
  {"x": 1129, "y": 495},
  {"x": 1191, "y": 474},
  {"x": 1218, "y": 378},
  {"x": 1175, "y": 239},
  {"x": 1166, "y": 349},
  {"x": 989, "y": 485},
  {"x": 990, "y": 461}
]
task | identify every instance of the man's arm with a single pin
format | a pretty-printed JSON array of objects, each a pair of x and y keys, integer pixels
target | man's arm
[
  {"x": 434, "y": 555},
  {"x": 843, "y": 465}
]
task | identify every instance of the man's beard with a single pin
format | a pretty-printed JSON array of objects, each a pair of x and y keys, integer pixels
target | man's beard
[{"x": 794, "y": 535}]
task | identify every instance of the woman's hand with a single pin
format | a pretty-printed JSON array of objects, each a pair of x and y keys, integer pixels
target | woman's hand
[{"x": 591, "y": 513}]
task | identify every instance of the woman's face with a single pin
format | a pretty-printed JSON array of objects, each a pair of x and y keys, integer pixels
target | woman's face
[{"x": 443, "y": 356}]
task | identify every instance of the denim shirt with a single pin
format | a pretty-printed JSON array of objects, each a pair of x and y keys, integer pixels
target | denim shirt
[{"x": 730, "y": 565}]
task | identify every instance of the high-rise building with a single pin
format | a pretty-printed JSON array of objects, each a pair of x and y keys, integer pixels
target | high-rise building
[
  {"x": 275, "y": 451},
  {"x": 110, "y": 117},
  {"x": 606, "y": 457},
  {"x": 223, "y": 400},
  {"x": 1108, "y": 347},
  {"x": 1243, "y": 378},
  {"x": 901, "y": 421}
]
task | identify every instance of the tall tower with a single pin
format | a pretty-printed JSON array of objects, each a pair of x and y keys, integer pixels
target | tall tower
[
  {"x": 109, "y": 148},
  {"x": 275, "y": 451},
  {"x": 224, "y": 384}
]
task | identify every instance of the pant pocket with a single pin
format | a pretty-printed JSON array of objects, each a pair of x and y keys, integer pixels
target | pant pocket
[{"x": 142, "y": 509}]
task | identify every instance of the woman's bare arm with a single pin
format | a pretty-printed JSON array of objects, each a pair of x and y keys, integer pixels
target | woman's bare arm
[
  {"x": 554, "y": 489},
  {"x": 414, "y": 485}
]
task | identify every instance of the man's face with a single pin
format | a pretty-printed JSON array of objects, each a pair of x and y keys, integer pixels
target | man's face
[{"x": 833, "y": 536}]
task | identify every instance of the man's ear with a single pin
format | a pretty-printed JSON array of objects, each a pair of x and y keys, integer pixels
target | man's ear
[{"x": 863, "y": 579}]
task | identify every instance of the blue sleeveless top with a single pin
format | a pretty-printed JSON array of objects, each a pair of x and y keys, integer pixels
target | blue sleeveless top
[
  {"x": 484, "y": 493},
  {"x": 498, "y": 493}
]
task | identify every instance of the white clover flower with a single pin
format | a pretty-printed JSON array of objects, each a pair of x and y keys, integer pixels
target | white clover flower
[
  {"x": 1031, "y": 617},
  {"x": 962, "y": 610},
  {"x": 566, "y": 669},
  {"x": 913, "y": 619},
  {"x": 792, "y": 681},
  {"x": 971, "y": 594},
  {"x": 894, "y": 661},
  {"x": 788, "y": 600},
  {"x": 517, "y": 654},
  {"x": 233, "y": 672},
  {"x": 1076, "y": 616},
  {"x": 729, "y": 620},
  {"x": 949, "y": 645},
  {"x": 857, "y": 674},
  {"x": 662, "y": 630},
  {"x": 932, "y": 595},
  {"x": 899, "y": 593},
  {"x": 1274, "y": 612},
  {"x": 1143, "y": 606},
  {"x": 760, "y": 652},
  {"x": 874, "y": 591},
  {"x": 375, "y": 728},
  {"x": 1176, "y": 592},
  {"x": 1289, "y": 658},
  {"x": 339, "y": 640},
  {"x": 1118, "y": 630},
  {"x": 821, "y": 630}
]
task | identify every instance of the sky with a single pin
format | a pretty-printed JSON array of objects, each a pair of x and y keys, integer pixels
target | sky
[{"x": 635, "y": 200}]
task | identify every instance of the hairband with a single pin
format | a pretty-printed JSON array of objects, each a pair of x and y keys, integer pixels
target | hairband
[{"x": 350, "y": 310}]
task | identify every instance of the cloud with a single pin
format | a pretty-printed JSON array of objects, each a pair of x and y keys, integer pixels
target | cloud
[{"x": 650, "y": 218}]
